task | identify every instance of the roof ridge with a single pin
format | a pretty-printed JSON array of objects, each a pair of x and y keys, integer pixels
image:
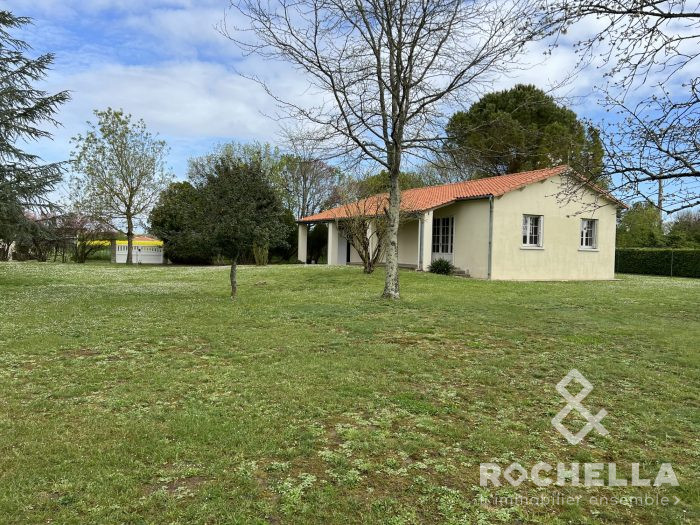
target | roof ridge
[
  {"x": 562, "y": 166},
  {"x": 429, "y": 197}
]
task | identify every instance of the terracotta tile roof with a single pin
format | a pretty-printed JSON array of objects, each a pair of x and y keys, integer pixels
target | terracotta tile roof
[{"x": 421, "y": 199}]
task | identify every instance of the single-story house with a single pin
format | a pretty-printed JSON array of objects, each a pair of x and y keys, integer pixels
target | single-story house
[
  {"x": 145, "y": 250},
  {"x": 547, "y": 224}
]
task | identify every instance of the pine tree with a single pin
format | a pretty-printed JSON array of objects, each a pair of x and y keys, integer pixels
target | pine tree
[
  {"x": 521, "y": 129},
  {"x": 24, "y": 180}
]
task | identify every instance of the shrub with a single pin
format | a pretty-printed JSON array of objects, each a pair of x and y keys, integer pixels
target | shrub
[
  {"x": 261, "y": 254},
  {"x": 658, "y": 261},
  {"x": 172, "y": 221},
  {"x": 441, "y": 266},
  {"x": 103, "y": 254}
]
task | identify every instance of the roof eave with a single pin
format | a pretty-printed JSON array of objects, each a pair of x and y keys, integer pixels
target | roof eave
[
  {"x": 474, "y": 198},
  {"x": 602, "y": 192}
]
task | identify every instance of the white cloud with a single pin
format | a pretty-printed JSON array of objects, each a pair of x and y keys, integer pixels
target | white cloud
[
  {"x": 158, "y": 60},
  {"x": 69, "y": 8},
  {"x": 187, "y": 99},
  {"x": 184, "y": 30},
  {"x": 163, "y": 61},
  {"x": 190, "y": 104}
]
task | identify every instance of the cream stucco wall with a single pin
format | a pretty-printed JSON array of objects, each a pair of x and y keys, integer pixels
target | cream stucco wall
[
  {"x": 471, "y": 235},
  {"x": 354, "y": 256},
  {"x": 408, "y": 242},
  {"x": 560, "y": 256}
]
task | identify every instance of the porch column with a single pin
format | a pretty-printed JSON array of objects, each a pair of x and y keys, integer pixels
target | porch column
[
  {"x": 342, "y": 248},
  {"x": 425, "y": 241},
  {"x": 332, "y": 243},
  {"x": 302, "y": 242}
]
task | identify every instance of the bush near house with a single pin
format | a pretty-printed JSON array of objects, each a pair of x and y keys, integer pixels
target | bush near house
[
  {"x": 654, "y": 261},
  {"x": 442, "y": 267}
]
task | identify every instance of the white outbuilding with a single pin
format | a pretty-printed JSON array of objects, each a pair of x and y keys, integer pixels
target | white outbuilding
[{"x": 145, "y": 250}]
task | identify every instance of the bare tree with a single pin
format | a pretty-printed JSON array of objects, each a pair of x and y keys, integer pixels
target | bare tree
[
  {"x": 87, "y": 236},
  {"x": 650, "y": 50},
  {"x": 364, "y": 223},
  {"x": 120, "y": 171},
  {"x": 384, "y": 71},
  {"x": 366, "y": 232},
  {"x": 306, "y": 180}
]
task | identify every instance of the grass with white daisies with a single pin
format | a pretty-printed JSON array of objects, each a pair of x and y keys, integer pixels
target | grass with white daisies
[{"x": 145, "y": 395}]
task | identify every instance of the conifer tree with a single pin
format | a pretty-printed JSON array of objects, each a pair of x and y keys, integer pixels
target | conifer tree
[{"x": 25, "y": 111}]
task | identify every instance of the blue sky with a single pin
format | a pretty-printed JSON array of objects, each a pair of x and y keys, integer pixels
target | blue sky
[{"x": 163, "y": 61}]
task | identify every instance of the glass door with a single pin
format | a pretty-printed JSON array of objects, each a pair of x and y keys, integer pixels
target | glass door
[{"x": 443, "y": 238}]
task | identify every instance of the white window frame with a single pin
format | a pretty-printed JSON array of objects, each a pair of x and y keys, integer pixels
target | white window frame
[
  {"x": 525, "y": 233},
  {"x": 584, "y": 238},
  {"x": 443, "y": 235}
]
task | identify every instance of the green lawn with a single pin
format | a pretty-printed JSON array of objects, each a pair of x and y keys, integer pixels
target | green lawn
[{"x": 145, "y": 395}]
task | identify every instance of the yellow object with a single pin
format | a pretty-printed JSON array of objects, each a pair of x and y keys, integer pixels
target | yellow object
[
  {"x": 142, "y": 243},
  {"x": 124, "y": 243}
]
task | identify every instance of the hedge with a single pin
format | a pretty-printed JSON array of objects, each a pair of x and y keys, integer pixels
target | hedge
[{"x": 658, "y": 261}]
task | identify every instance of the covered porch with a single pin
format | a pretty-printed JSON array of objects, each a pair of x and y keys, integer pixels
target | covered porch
[{"x": 423, "y": 238}]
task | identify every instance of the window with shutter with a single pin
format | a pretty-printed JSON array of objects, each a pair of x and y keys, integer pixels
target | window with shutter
[{"x": 532, "y": 231}]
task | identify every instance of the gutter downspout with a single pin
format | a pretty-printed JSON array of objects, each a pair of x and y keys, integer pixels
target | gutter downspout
[
  {"x": 421, "y": 226},
  {"x": 490, "y": 235}
]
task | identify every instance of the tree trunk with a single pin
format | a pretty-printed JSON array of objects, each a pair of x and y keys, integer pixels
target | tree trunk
[
  {"x": 129, "y": 248},
  {"x": 234, "y": 283},
  {"x": 391, "y": 283},
  {"x": 129, "y": 240}
]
